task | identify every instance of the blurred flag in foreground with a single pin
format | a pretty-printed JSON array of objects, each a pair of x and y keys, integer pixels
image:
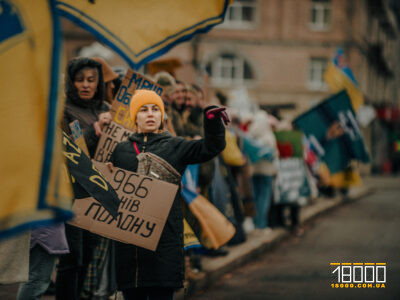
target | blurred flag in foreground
[
  {"x": 332, "y": 130},
  {"x": 34, "y": 187},
  {"x": 140, "y": 30},
  {"x": 339, "y": 77},
  {"x": 216, "y": 229}
]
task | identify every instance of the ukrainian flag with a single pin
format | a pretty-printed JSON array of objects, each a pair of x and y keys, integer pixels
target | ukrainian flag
[
  {"x": 216, "y": 229},
  {"x": 138, "y": 30},
  {"x": 34, "y": 188},
  {"x": 339, "y": 77}
]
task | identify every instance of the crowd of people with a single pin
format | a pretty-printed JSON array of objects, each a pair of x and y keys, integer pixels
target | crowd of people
[{"x": 238, "y": 171}]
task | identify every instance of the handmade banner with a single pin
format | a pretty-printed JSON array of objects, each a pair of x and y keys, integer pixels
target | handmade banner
[
  {"x": 122, "y": 127},
  {"x": 131, "y": 82},
  {"x": 292, "y": 182},
  {"x": 111, "y": 136},
  {"x": 34, "y": 191},
  {"x": 87, "y": 180},
  {"x": 332, "y": 130},
  {"x": 339, "y": 76},
  {"x": 144, "y": 207},
  {"x": 140, "y": 31}
]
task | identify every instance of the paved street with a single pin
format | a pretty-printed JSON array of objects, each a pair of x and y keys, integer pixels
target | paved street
[{"x": 299, "y": 268}]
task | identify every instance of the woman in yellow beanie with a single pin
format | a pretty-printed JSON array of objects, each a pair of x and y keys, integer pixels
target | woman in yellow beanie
[{"x": 141, "y": 273}]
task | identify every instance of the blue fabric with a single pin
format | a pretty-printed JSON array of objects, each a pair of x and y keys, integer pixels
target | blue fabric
[
  {"x": 262, "y": 186},
  {"x": 255, "y": 151}
]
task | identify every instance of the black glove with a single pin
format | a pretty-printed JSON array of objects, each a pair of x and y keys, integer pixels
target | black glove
[{"x": 214, "y": 111}]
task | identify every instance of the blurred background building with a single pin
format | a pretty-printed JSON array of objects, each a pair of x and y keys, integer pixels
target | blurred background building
[{"x": 277, "y": 51}]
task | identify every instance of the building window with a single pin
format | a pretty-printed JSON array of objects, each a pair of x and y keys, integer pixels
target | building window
[
  {"x": 316, "y": 70},
  {"x": 228, "y": 68},
  {"x": 321, "y": 15},
  {"x": 241, "y": 14}
]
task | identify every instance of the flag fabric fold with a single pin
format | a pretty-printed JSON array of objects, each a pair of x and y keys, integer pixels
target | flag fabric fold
[
  {"x": 216, "y": 228},
  {"x": 140, "y": 31},
  {"x": 339, "y": 76},
  {"x": 35, "y": 189},
  {"x": 332, "y": 130}
]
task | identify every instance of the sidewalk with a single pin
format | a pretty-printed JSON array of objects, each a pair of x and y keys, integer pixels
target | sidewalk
[{"x": 259, "y": 241}]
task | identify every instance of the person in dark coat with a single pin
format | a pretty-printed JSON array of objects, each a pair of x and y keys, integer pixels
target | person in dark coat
[
  {"x": 84, "y": 88},
  {"x": 142, "y": 273}
]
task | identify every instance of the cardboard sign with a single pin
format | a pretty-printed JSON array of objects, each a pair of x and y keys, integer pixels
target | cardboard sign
[
  {"x": 292, "y": 182},
  {"x": 122, "y": 127},
  {"x": 131, "y": 82},
  {"x": 111, "y": 136},
  {"x": 142, "y": 213}
]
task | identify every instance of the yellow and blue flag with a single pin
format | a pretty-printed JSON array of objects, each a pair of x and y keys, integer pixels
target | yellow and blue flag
[
  {"x": 339, "y": 77},
  {"x": 216, "y": 229},
  {"x": 139, "y": 31},
  {"x": 34, "y": 186}
]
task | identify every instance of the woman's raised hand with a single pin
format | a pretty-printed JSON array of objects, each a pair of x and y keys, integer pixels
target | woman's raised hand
[{"x": 213, "y": 111}]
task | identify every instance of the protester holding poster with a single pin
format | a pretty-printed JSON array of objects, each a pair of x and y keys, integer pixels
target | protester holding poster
[
  {"x": 84, "y": 89},
  {"x": 85, "y": 92},
  {"x": 143, "y": 273}
]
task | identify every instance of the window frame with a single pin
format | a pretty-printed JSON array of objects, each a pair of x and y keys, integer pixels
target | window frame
[
  {"x": 321, "y": 7},
  {"x": 235, "y": 66},
  {"x": 317, "y": 63},
  {"x": 237, "y": 9}
]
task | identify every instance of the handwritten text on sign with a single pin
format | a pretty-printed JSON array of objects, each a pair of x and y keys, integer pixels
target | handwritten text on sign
[
  {"x": 131, "y": 82},
  {"x": 111, "y": 136},
  {"x": 143, "y": 210}
]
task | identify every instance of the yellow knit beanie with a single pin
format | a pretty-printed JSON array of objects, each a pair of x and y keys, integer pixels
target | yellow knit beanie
[{"x": 143, "y": 97}]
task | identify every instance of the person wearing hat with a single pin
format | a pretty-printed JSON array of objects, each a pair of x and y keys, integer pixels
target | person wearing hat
[{"x": 141, "y": 273}]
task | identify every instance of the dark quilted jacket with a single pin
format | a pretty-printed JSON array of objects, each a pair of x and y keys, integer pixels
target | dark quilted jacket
[{"x": 136, "y": 266}]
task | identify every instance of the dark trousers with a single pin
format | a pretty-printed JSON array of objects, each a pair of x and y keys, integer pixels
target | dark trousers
[
  {"x": 152, "y": 293},
  {"x": 72, "y": 267},
  {"x": 294, "y": 215}
]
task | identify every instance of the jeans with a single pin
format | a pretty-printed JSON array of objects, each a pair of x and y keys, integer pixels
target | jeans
[
  {"x": 152, "y": 293},
  {"x": 262, "y": 185},
  {"x": 41, "y": 266}
]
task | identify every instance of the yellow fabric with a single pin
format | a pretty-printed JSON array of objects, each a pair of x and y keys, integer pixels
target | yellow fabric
[
  {"x": 25, "y": 73},
  {"x": 337, "y": 82},
  {"x": 189, "y": 238},
  {"x": 343, "y": 179},
  {"x": 144, "y": 97},
  {"x": 232, "y": 154},
  {"x": 215, "y": 227},
  {"x": 346, "y": 179},
  {"x": 140, "y": 29}
]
